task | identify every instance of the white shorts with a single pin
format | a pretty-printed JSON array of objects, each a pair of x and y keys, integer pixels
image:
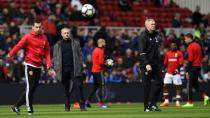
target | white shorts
[{"x": 169, "y": 78}]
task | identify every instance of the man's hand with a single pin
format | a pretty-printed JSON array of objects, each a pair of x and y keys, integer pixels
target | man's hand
[
  {"x": 175, "y": 72},
  {"x": 187, "y": 76},
  {"x": 51, "y": 73},
  {"x": 148, "y": 67},
  {"x": 8, "y": 58}
]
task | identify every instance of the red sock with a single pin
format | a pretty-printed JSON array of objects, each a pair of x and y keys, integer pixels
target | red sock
[{"x": 165, "y": 96}]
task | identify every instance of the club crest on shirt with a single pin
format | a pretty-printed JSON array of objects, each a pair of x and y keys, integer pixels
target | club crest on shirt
[
  {"x": 176, "y": 55},
  {"x": 30, "y": 73}
]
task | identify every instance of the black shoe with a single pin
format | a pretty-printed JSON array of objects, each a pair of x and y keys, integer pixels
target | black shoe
[
  {"x": 82, "y": 107},
  {"x": 147, "y": 109},
  {"x": 16, "y": 110},
  {"x": 155, "y": 108},
  {"x": 67, "y": 108},
  {"x": 88, "y": 104}
]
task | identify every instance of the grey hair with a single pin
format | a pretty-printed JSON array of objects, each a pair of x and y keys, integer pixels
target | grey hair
[{"x": 148, "y": 20}]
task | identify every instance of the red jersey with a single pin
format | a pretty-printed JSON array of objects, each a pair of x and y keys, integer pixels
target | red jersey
[
  {"x": 195, "y": 54},
  {"x": 36, "y": 49},
  {"x": 98, "y": 59},
  {"x": 173, "y": 60}
]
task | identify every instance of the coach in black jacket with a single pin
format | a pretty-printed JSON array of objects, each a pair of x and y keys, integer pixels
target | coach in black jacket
[
  {"x": 67, "y": 57},
  {"x": 149, "y": 43}
]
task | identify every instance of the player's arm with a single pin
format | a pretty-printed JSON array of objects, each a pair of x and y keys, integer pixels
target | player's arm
[
  {"x": 47, "y": 55},
  {"x": 181, "y": 60},
  {"x": 165, "y": 63},
  {"x": 17, "y": 47},
  {"x": 101, "y": 58},
  {"x": 142, "y": 49},
  {"x": 190, "y": 59}
]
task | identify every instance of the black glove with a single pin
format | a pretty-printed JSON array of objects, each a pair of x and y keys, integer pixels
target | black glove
[{"x": 175, "y": 72}]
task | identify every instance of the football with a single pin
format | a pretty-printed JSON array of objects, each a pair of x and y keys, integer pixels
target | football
[
  {"x": 88, "y": 11},
  {"x": 109, "y": 62}
]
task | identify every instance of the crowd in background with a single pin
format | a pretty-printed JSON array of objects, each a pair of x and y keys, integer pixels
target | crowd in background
[{"x": 122, "y": 46}]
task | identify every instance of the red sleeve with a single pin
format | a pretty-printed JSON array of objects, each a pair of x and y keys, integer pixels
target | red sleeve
[
  {"x": 166, "y": 59},
  {"x": 47, "y": 55},
  {"x": 17, "y": 47},
  {"x": 101, "y": 58},
  {"x": 190, "y": 53},
  {"x": 181, "y": 58}
]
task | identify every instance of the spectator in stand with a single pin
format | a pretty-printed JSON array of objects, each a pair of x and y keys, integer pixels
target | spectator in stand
[
  {"x": 94, "y": 22},
  {"x": 52, "y": 4},
  {"x": 14, "y": 29},
  {"x": 94, "y": 3},
  {"x": 2, "y": 43},
  {"x": 49, "y": 27},
  {"x": 2, "y": 71},
  {"x": 119, "y": 73},
  {"x": 13, "y": 11},
  {"x": 76, "y": 3},
  {"x": 31, "y": 16},
  {"x": 196, "y": 17},
  {"x": 5, "y": 15},
  {"x": 144, "y": 17},
  {"x": 134, "y": 41},
  {"x": 59, "y": 15},
  {"x": 205, "y": 68},
  {"x": 176, "y": 21},
  {"x": 167, "y": 3},
  {"x": 199, "y": 31},
  {"x": 206, "y": 44},
  {"x": 88, "y": 66},
  {"x": 128, "y": 62},
  {"x": 124, "y": 5},
  {"x": 88, "y": 49},
  {"x": 101, "y": 33},
  {"x": 36, "y": 6},
  {"x": 76, "y": 15}
]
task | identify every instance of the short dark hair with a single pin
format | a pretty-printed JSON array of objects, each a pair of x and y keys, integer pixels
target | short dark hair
[
  {"x": 37, "y": 21},
  {"x": 189, "y": 35}
]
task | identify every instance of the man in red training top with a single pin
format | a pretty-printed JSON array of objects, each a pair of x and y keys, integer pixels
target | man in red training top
[
  {"x": 36, "y": 49},
  {"x": 193, "y": 69},
  {"x": 173, "y": 61},
  {"x": 97, "y": 71}
]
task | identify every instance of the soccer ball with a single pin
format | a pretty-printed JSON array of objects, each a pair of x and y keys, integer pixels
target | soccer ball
[
  {"x": 88, "y": 11},
  {"x": 109, "y": 62}
]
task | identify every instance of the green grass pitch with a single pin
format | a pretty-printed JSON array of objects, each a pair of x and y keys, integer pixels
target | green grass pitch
[{"x": 123, "y": 110}]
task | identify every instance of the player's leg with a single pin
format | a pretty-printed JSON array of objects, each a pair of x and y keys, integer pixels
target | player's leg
[
  {"x": 199, "y": 90},
  {"x": 78, "y": 83},
  {"x": 191, "y": 79},
  {"x": 34, "y": 76},
  {"x": 66, "y": 84},
  {"x": 178, "y": 84},
  {"x": 167, "y": 81},
  {"x": 22, "y": 98},
  {"x": 101, "y": 90},
  {"x": 94, "y": 89},
  {"x": 147, "y": 86},
  {"x": 71, "y": 85},
  {"x": 157, "y": 86}
]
